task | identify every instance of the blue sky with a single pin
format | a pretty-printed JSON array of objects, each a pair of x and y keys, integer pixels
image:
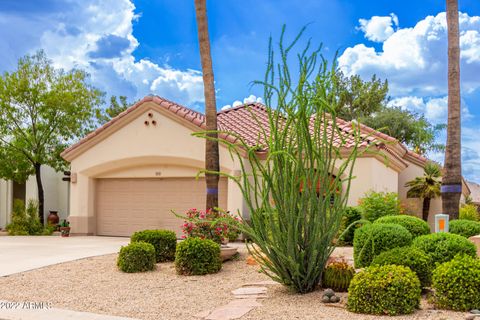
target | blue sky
[{"x": 134, "y": 48}]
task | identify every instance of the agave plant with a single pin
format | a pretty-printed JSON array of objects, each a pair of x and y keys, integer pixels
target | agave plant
[{"x": 295, "y": 180}]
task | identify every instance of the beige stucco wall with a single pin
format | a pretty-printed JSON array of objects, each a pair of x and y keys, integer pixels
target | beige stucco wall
[
  {"x": 136, "y": 150},
  {"x": 5, "y": 202}
]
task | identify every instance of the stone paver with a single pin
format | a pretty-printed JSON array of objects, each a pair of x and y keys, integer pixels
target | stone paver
[
  {"x": 233, "y": 310},
  {"x": 20, "y": 313},
  {"x": 250, "y": 291},
  {"x": 23, "y": 253}
]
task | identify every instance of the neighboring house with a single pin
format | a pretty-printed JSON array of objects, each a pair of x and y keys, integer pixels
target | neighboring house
[
  {"x": 56, "y": 194},
  {"x": 475, "y": 195},
  {"x": 132, "y": 172}
]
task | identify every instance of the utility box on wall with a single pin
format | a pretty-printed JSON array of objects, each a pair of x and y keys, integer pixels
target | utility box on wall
[{"x": 441, "y": 222}]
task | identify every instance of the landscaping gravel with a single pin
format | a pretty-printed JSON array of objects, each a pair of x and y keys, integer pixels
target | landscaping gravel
[{"x": 95, "y": 285}]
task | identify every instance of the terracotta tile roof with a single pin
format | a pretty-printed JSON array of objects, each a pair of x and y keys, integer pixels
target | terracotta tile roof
[{"x": 248, "y": 121}]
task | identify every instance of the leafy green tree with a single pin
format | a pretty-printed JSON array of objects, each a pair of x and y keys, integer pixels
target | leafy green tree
[
  {"x": 426, "y": 187},
  {"x": 42, "y": 110},
  {"x": 116, "y": 107}
]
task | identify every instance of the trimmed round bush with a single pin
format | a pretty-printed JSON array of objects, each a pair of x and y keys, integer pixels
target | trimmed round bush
[
  {"x": 197, "y": 256},
  {"x": 442, "y": 247},
  {"x": 384, "y": 290},
  {"x": 457, "y": 284},
  {"x": 373, "y": 239},
  {"x": 164, "y": 242},
  {"x": 417, "y": 260},
  {"x": 136, "y": 257},
  {"x": 465, "y": 228},
  {"x": 416, "y": 226}
]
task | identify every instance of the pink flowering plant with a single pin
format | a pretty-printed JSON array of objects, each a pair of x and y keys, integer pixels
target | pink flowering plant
[{"x": 216, "y": 225}]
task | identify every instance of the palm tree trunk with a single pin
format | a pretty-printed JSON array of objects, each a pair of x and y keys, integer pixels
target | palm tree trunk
[
  {"x": 452, "y": 178},
  {"x": 212, "y": 161},
  {"x": 426, "y": 208}
]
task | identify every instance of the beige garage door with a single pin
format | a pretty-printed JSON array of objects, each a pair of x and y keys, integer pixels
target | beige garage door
[{"x": 124, "y": 206}]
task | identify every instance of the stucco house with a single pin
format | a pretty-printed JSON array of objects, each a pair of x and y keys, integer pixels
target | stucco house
[
  {"x": 55, "y": 189},
  {"x": 131, "y": 172}
]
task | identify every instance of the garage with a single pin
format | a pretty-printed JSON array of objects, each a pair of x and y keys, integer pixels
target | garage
[{"x": 126, "y": 205}]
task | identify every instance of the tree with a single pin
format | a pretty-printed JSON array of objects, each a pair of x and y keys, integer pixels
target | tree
[
  {"x": 407, "y": 127},
  {"x": 42, "y": 109},
  {"x": 452, "y": 179},
  {"x": 212, "y": 161},
  {"x": 426, "y": 187},
  {"x": 114, "y": 109}
]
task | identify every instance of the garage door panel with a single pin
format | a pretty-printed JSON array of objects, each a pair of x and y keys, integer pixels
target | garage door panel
[{"x": 124, "y": 206}]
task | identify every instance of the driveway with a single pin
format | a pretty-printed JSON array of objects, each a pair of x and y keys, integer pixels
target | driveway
[{"x": 18, "y": 253}]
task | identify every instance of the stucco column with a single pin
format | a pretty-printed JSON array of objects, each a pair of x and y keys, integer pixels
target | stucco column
[{"x": 82, "y": 205}]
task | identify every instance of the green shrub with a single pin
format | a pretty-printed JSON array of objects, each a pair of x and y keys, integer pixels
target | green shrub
[
  {"x": 390, "y": 290},
  {"x": 378, "y": 204},
  {"x": 442, "y": 247},
  {"x": 416, "y": 226},
  {"x": 337, "y": 276},
  {"x": 465, "y": 228},
  {"x": 417, "y": 260},
  {"x": 164, "y": 242},
  {"x": 373, "y": 239},
  {"x": 136, "y": 257},
  {"x": 469, "y": 212},
  {"x": 197, "y": 256},
  {"x": 457, "y": 284},
  {"x": 351, "y": 215},
  {"x": 25, "y": 221}
]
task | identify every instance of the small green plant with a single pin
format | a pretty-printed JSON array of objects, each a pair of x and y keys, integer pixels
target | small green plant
[
  {"x": 378, "y": 204},
  {"x": 417, "y": 227},
  {"x": 337, "y": 276},
  {"x": 457, "y": 284},
  {"x": 351, "y": 215},
  {"x": 417, "y": 260},
  {"x": 465, "y": 228},
  {"x": 25, "y": 220},
  {"x": 164, "y": 242},
  {"x": 197, "y": 256},
  {"x": 442, "y": 247},
  {"x": 469, "y": 212},
  {"x": 384, "y": 290},
  {"x": 136, "y": 257},
  {"x": 373, "y": 239}
]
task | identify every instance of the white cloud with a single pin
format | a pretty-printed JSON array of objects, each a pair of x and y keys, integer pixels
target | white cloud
[
  {"x": 250, "y": 99},
  {"x": 377, "y": 28},
  {"x": 414, "y": 60},
  {"x": 91, "y": 36}
]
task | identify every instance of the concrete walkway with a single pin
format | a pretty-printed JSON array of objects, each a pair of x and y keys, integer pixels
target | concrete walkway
[
  {"x": 9, "y": 311},
  {"x": 23, "y": 253}
]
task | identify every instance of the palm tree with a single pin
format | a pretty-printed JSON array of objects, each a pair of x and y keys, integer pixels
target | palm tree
[
  {"x": 452, "y": 180},
  {"x": 426, "y": 187},
  {"x": 212, "y": 161}
]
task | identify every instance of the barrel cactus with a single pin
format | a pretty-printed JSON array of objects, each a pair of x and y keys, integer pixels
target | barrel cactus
[{"x": 337, "y": 275}]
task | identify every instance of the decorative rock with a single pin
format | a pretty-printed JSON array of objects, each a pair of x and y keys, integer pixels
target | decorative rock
[
  {"x": 335, "y": 299},
  {"x": 329, "y": 293},
  {"x": 475, "y": 311},
  {"x": 325, "y": 299}
]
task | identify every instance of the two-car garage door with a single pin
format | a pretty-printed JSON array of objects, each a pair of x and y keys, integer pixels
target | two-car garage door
[{"x": 124, "y": 206}]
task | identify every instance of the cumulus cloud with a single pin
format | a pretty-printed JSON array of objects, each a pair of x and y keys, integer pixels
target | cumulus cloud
[
  {"x": 250, "y": 99},
  {"x": 377, "y": 28},
  {"x": 89, "y": 35},
  {"x": 414, "y": 60}
]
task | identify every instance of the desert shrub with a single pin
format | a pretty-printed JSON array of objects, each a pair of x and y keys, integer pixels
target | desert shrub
[
  {"x": 465, "y": 228},
  {"x": 390, "y": 290},
  {"x": 164, "y": 242},
  {"x": 136, "y": 257},
  {"x": 378, "y": 204},
  {"x": 197, "y": 256},
  {"x": 442, "y": 247},
  {"x": 337, "y": 275},
  {"x": 25, "y": 220},
  {"x": 457, "y": 284},
  {"x": 469, "y": 212},
  {"x": 373, "y": 239},
  {"x": 351, "y": 215},
  {"x": 416, "y": 226},
  {"x": 417, "y": 260}
]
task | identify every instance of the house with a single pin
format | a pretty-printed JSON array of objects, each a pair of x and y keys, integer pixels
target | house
[
  {"x": 55, "y": 190},
  {"x": 133, "y": 171},
  {"x": 475, "y": 192}
]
